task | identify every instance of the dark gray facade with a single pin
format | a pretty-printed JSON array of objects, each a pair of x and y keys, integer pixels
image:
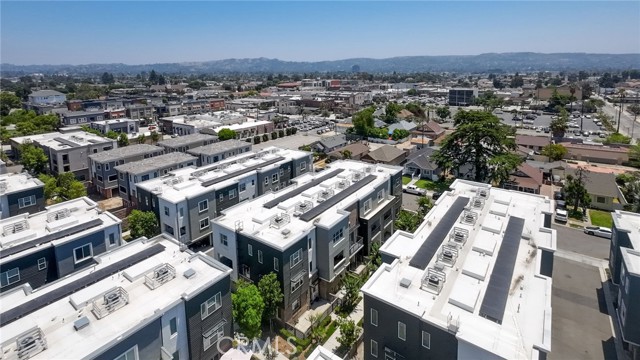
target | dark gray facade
[
  {"x": 16, "y": 199},
  {"x": 619, "y": 239},
  {"x": 30, "y": 270},
  {"x": 105, "y": 176},
  {"x": 148, "y": 341},
  {"x": 65, "y": 261},
  {"x": 628, "y": 306}
]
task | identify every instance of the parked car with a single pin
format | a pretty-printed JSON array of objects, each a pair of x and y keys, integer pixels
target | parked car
[
  {"x": 436, "y": 195},
  {"x": 558, "y": 195},
  {"x": 561, "y": 215},
  {"x": 560, "y": 204},
  {"x": 598, "y": 231},
  {"x": 412, "y": 189}
]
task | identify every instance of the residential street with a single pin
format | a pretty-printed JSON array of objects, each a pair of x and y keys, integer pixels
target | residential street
[{"x": 576, "y": 240}]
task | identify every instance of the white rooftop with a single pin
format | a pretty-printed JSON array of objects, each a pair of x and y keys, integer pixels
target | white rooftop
[
  {"x": 245, "y": 125},
  {"x": 526, "y": 323},
  {"x": 185, "y": 183},
  {"x": 281, "y": 225},
  {"x": 628, "y": 222},
  {"x": 60, "y": 141},
  {"x": 632, "y": 260},
  {"x": 322, "y": 353},
  {"x": 56, "y": 320},
  {"x": 13, "y": 182},
  {"x": 114, "y": 121},
  {"x": 23, "y": 228}
]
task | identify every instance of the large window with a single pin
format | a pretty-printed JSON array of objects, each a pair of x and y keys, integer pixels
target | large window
[
  {"x": 9, "y": 277},
  {"x": 232, "y": 194},
  {"x": 168, "y": 229},
  {"x": 42, "y": 264},
  {"x": 250, "y": 249},
  {"x": 242, "y": 187},
  {"x": 203, "y": 205},
  {"x": 338, "y": 235},
  {"x": 27, "y": 201},
  {"x": 223, "y": 240},
  {"x": 213, "y": 335},
  {"x": 402, "y": 331},
  {"x": 374, "y": 348},
  {"x": 166, "y": 211},
  {"x": 367, "y": 206},
  {"x": 274, "y": 178},
  {"x": 173, "y": 326},
  {"x": 210, "y": 306},
  {"x": 374, "y": 317},
  {"x": 296, "y": 282},
  {"x": 303, "y": 166},
  {"x": 131, "y": 354},
  {"x": 426, "y": 340},
  {"x": 82, "y": 253},
  {"x": 295, "y": 258},
  {"x": 113, "y": 177},
  {"x": 380, "y": 195},
  {"x": 260, "y": 256},
  {"x": 204, "y": 223}
]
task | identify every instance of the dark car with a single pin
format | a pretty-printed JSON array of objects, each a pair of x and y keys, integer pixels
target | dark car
[
  {"x": 558, "y": 195},
  {"x": 436, "y": 195},
  {"x": 560, "y": 204}
]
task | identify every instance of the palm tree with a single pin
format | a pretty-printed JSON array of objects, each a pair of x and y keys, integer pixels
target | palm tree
[{"x": 155, "y": 136}]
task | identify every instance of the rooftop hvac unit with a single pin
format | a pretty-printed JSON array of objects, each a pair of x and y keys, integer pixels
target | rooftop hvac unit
[
  {"x": 459, "y": 235},
  {"x": 279, "y": 220},
  {"x": 484, "y": 193},
  {"x": 448, "y": 255},
  {"x": 16, "y": 227},
  {"x": 469, "y": 217},
  {"x": 30, "y": 344},
  {"x": 58, "y": 215},
  {"x": 477, "y": 202},
  {"x": 434, "y": 280}
]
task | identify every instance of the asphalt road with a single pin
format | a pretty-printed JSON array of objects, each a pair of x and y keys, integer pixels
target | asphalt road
[
  {"x": 577, "y": 241},
  {"x": 626, "y": 123}
]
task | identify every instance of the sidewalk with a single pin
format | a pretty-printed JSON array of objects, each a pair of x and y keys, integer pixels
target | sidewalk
[{"x": 356, "y": 315}]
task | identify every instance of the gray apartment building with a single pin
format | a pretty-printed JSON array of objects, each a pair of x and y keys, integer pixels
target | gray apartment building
[
  {"x": 186, "y": 142},
  {"x": 312, "y": 232},
  {"x": 71, "y": 118},
  {"x": 134, "y": 172},
  {"x": 186, "y": 199},
  {"x": 218, "y": 151},
  {"x": 123, "y": 125},
  {"x": 140, "y": 111},
  {"x": 462, "y": 96},
  {"x": 148, "y": 299},
  {"x": 20, "y": 193},
  {"x": 67, "y": 152},
  {"x": 624, "y": 263},
  {"x": 103, "y": 165},
  {"x": 473, "y": 282},
  {"x": 41, "y": 247}
]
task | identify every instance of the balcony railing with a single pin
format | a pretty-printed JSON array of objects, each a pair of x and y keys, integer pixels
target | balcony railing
[{"x": 355, "y": 246}]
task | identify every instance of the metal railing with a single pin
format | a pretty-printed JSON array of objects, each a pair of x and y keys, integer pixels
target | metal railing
[{"x": 355, "y": 246}]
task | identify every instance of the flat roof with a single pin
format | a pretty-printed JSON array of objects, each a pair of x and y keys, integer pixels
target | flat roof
[
  {"x": 124, "y": 152},
  {"x": 244, "y": 125},
  {"x": 632, "y": 259},
  {"x": 450, "y": 290},
  {"x": 13, "y": 182},
  {"x": 322, "y": 353},
  {"x": 185, "y": 183},
  {"x": 156, "y": 162},
  {"x": 56, "y": 225},
  {"x": 630, "y": 223},
  {"x": 186, "y": 140},
  {"x": 60, "y": 141},
  {"x": 115, "y": 121},
  {"x": 281, "y": 225},
  {"x": 218, "y": 147},
  {"x": 145, "y": 299}
]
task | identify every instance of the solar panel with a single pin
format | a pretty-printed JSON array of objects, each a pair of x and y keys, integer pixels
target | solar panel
[
  {"x": 241, "y": 171},
  {"x": 495, "y": 298},
  {"x": 300, "y": 189},
  {"x": 324, "y": 206},
  {"x": 39, "y": 302},
  {"x": 49, "y": 237},
  {"x": 439, "y": 233}
]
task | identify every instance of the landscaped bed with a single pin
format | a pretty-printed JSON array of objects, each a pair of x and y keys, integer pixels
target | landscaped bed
[
  {"x": 601, "y": 218},
  {"x": 406, "y": 180}
]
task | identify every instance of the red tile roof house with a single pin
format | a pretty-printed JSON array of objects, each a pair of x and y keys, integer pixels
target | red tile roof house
[{"x": 526, "y": 179}]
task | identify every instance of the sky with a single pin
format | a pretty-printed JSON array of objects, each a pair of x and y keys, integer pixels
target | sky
[{"x": 145, "y": 32}]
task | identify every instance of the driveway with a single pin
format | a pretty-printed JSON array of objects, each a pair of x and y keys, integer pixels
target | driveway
[{"x": 570, "y": 239}]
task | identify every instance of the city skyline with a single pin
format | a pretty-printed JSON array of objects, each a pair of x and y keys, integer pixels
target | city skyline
[{"x": 167, "y": 32}]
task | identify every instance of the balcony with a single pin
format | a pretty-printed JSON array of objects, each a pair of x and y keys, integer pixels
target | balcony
[{"x": 355, "y": 246}]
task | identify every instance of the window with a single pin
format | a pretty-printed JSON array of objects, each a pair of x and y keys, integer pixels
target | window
[
  {"x": 144, "y": 177},
  {"x": 295, "y": 258},
  {"x": 203, "y": 205},
  {"x": 42, "y": 264},
  {"x": 9, "y": 277},
  {"x": 112, "y": 239},
  {"x": 98, "y": 167},
  {"x": 173, "y": 326},
  {"x": 106, "y": 167},
  {"x": 374, "y": 348},
  {"x": 260, "y": 256},
  {"x": 250, "y": 249},
  {"x": 380, "y": 195},
  {"x": 243, "y": 187},
  {"x": 121, "y": 176},
  {"x": 123, "y": 189},
  {"x": 296, "y": 305},
  {"x": 374, "y": 317},
  {"x": 426, "y": 340},
  {"x": 600, "y": 199},
  {"x": 221, "y": 198},
  {"x": 296, "y": 282},
  {"x": 266, "y": 181},
  {"x": 303, "y": 166},
  {"x": 204, "y": 223},
  {"x": 183, "y": 231},
  {"x": 274, "y": 178},
  {"x": 211, "y": 337},
  {"x": 338, "y": 235},
  {"x": 166, "y": 210},
  {"x": 168, "y": 229},
  {"x": 223, "y": 240},
  {"x": 210, "y": 306},
  {"x": 26, "y": 201},
  {"x": 276, "y": 266},
  {"x": 367, "y": 206},
  {"x": 82, "y": 253},
  {"x": 402, "y": 331},
  {"x": 131, "y": 354},
  {"x": 99, "y": 177},
  {"x": 232, "y": 194}
]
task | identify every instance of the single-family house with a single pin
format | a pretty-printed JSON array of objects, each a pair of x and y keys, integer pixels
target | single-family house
[
  {"x": 526, "y": 179},
  {"x": 330, "y": 143},
  {"x": 421, "y": 164},
  {"x": 355, "y": 151},
  {"x": 386, "y": 154},
  {"x": 602, "y": 188}
]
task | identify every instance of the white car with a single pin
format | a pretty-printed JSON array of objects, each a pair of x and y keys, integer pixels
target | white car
[
  {"x": 598, "y": 231},
  {"x": 561, "y": 215},
  {"x": 412, "y": 189}
]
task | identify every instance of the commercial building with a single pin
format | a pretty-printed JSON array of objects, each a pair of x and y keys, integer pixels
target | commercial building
[
  {"x": 218, "y": 151},
  {"x": 103, "y": 165},
  {"x": 624, "y": 263},
  {"x": 20, "y": 193},
  {"x": 185, "y": 200},
  {"x": 462, "y": 97},
  {"x": 124, "y": 125},
  {"x": 39, "y": 248},
  {"x": 310, "y": 233},
  {"x": 473, "y": 282},
  {"x": 149, "y": 299},
  {"x": 187, "y": 142}
]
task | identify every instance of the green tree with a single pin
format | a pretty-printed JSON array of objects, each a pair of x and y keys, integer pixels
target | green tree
[
  {"x": 8, "y": 101},
  {"x": 443, "y": 112},
  {"x": 412, "y": 92},
  {"x": 407, "y": 221},
  {"x": 425, "y": 204},
  {"x": 560, "y": 124},
  {"x": 112, "y": 135},
  {"x": 416, "y": 109},
  {"x": 248, "y": 306},
  {"x": 363, "y": 121},
  {"x": 272, "y": 296},
  {"x": 317, "y": 332},
  {"x": 480, "y": 139},
  {"x": 574, "y": 189},
  {"x": 143, "y": 223},
  {"x": 391, "y": 112},
  {"x": 141, "y": 139},
  {"x": 489, "y": 101},
  {"x": 155, "y": 136},
  {"x": 502, "y": 166},
  {"x": 69, "y": 187},
  {"x": 399, "y": 134},
  {"x": 349, "y": 333},
  {"x": 226, "y": 134},
  {"x": 33, "y": 158},
  {"x": 376, "y": 257},
  {"x": 50, "y": 185},
  {"x": 617, "y": 138},
  {"x": 351, "y": 286},
  {"x": 517, "y": 81},
  {"x": 554, "y": 152},
  {"x": 107, "y": 78},
  {"x": 346, "y": 154},
  {"x": 123, "y": 140}
]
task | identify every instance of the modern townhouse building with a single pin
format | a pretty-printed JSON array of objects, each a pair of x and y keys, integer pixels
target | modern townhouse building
[
  {"x": 170, "y": 109},
  {"x": 140, "y": 111},
  {"x": 149, "y": 299},
  {"x": 184, "y": 198},
  {"x": 186, "y": 142},
  {"x": 473, "y": 282},
  {"x": 311, "y": 232},
  {"x": 39, "y": 248},
  {"x": 214, "y": 152},
  {"x": 67, "y": 152},
  {"x": 191, "y": 124},
  {"x": 103, "y": 165},
  {"x": 248, "y": 129},
  {"x": 124, "y": 125},
  {"x": 70, "y": 118},
  {"x": 20, "y": 193},
  {"x": 462, "y": 96},
  {"x": 44, "y": 97},
  {"x": 198, "y": 106},
  {"x": 624, "y": 263},
  {"x": 131, "y": 173}
]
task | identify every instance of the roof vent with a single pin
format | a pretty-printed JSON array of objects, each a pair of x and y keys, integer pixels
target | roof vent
[
  {"x": 189, "y": 273},
  {"x": 81, "y": 323},
  {"x": 285, "y": 232},
  {"x": 404, "y": 282}
]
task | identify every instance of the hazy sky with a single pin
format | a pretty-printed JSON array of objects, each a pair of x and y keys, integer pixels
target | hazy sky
[{"x": 144, "y": 32}]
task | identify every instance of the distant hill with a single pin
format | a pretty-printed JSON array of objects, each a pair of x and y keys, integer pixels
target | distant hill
[{"x": 521, "y": 61}]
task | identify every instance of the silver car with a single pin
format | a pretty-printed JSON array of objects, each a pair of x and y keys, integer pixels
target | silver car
[{"x": 598, "y": 231}]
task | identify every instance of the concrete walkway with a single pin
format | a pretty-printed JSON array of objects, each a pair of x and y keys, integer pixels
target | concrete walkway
[{"x": 356, "y": 315}]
